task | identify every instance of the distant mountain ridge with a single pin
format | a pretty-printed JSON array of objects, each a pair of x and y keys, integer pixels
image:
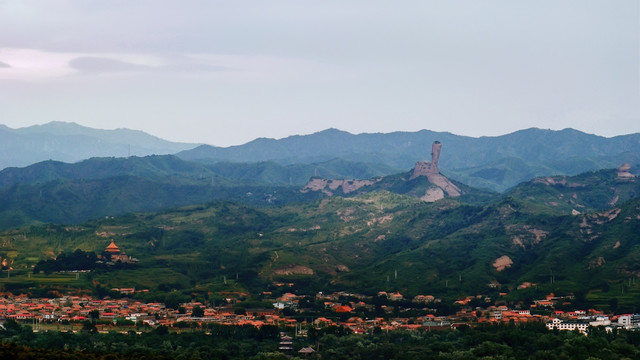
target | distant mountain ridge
[
  {"x": 533, "y": 143},
  {"x": 496, "y": 163},
  {"x": 70, "y": 142}
]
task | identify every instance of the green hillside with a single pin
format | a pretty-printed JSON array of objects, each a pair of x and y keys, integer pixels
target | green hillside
[
  {"x": 77, "y": 201},
  {"x": 591, "y": 191},
  {"x": 273, "y": 173},
  {"x": 56, "y": 192},
  {"x": 366, "y": 243}
]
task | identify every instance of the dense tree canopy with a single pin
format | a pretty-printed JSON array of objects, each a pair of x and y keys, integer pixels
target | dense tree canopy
[{"x": 525, "y": 341}]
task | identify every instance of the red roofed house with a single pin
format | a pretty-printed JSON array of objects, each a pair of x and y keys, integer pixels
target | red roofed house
[{"x": 343, "y": 309}]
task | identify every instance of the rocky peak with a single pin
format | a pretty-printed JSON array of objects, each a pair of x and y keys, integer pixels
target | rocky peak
[
  {"x": 431, "y": 171},
  {"x": 425, "y": 168},
  {"x": 439, "y": 187}
]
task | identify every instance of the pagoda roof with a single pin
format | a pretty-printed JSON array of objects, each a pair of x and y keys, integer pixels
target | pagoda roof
[{"x": 112, "y": 247}]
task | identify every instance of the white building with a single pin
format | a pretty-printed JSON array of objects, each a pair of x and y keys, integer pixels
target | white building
[
  {"x": 629, "y": 321},
  {"x": 559, "y": 324},
  {"x": 600, "y": 321}
]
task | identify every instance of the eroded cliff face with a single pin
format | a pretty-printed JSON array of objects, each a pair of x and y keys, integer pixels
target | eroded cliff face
[
  {"x": 440, "y": 187},
  {"x": 425, "y": 168},
  {"x": 445, "y": 186},
  {"x": 431, "y": 171},
  {"x": 329, "y": 186}
]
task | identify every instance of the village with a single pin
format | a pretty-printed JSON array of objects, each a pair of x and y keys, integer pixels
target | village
[
  {"x": 387, "y": 311},
  {"x": 71, "y": 312}
]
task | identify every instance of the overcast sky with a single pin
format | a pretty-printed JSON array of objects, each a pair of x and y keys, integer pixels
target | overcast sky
[{"x": 226, "y": 72}]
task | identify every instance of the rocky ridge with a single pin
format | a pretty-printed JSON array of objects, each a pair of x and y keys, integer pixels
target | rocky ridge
[{"x": 439, "y": 188}]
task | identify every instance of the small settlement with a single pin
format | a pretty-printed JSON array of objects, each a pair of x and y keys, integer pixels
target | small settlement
[
  {"x": 359, "y": 313},
  {"x": 340, "y": 312}
]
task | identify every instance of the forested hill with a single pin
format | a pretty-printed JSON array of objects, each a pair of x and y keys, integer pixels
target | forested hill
[
  {"x": 55, "y": 192},
  {"x": 379, "y": 241},
  {"x": 496, "y": 163},
  {"x": 587, "y": 192},
  {"x": 58, "y": 192},
  {"x": 72, "y": 193}
]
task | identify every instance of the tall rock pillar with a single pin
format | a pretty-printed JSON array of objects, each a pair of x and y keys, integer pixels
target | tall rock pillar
[{"x": 435, "y": 154}]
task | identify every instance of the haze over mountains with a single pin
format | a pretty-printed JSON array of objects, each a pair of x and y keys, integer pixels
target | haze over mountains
[
  {"x": 495, "y": 163},
  {"x": 269, "y": 172},
  {"x": 70, "y": 142}
]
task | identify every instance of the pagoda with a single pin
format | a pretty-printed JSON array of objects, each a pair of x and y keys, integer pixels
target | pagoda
[
  {"x": 113, "y": 248},
  {"x": 116, "y": 254}
]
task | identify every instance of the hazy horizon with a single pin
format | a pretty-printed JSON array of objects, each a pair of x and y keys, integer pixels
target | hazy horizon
[
  {"x": 224, "y": 73},
  {"x": 311, "y": 133}
]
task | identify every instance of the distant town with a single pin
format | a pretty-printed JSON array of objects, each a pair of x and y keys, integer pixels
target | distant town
[{"x": 66, "y": 311}]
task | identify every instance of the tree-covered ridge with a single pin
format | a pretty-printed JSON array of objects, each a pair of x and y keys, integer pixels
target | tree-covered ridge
[
  {"x": 587, "y": 192},
  {"x": 497, "y": 163},
  {"x": 55, "y": 192},
  {"x": 188, "y": 172}
]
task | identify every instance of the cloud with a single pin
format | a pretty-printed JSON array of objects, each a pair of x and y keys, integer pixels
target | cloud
[
  {"x": 91, "y": 64},
  {"x": 98, "y": 65},
  {"x": 195, "y": 67},
  {"x": 31, "y": 64}
]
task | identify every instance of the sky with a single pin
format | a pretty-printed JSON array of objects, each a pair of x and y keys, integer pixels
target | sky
[{"x": 227, "y": 72}]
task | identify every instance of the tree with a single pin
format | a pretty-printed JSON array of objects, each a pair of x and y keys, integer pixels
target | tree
[
  {"x": 197, "y": 311},
  {"x": 162, "y": 330},
  {"x": 88, "y": 326},
  {"x": 239, "y": 311},
  {"x": 173, "y": 300},
  {"x": 613, "y": 304}
]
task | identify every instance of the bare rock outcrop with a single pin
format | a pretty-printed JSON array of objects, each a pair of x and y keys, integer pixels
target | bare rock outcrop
[
  {"x": 425, "y": 168},
  {"x": 433, "y": 194},
  {"x": 623, "y": 172},
  {"x": 328, "y": 186},
  {"x": 440, "y": 188},
  {"x": 294, "y": 270},
  {"x": 431, "y": 171},
  {"x": 502, "y": 263},
  {"x": 596, "y": 263}
]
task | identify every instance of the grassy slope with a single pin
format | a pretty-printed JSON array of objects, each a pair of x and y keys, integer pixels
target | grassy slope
[{"x": 358, "y": 244}]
